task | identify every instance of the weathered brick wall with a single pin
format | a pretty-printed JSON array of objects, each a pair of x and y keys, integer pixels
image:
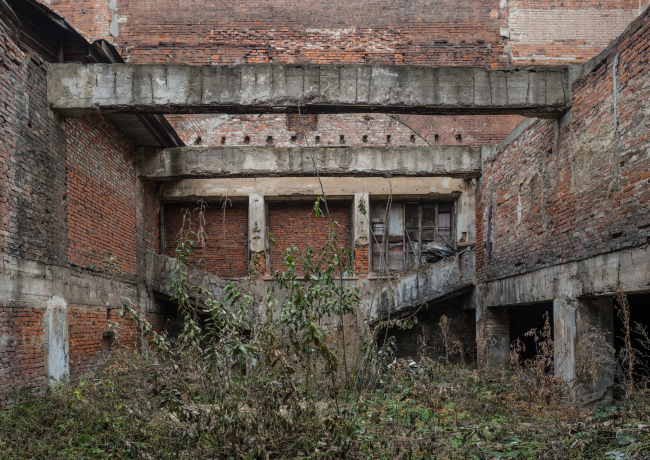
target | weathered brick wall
[
  {"x": 378, "y": 129},
  {"x": 67, "y": 195},
  {"x": 32, "y": 161},
  {"x": 567, "y": 192},
  {"x": 560, "y": 31},
  {"x": 93, "y": 18},
  {"x": 101, "y": 194},
  {"x": 295, "y": 224},
  {"x": 226, "y": 237},
  {"x": 439, "y": 32},
  {"x": 465, "y": 32},
  {"x": 86, "y": 327},
  {"x": 22, "y": 363},
  {"x": 475, "y": 130}
]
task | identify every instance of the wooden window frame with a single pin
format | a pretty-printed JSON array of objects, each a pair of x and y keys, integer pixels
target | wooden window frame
[{"x": 407, "y": 243}]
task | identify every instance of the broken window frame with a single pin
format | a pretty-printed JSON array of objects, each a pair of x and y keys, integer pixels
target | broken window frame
[{"x": 412, "y": 256}]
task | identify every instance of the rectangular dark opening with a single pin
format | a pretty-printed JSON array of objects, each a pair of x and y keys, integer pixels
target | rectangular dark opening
[
  {"x": 639, "y": 316},
  {"x": 525, "y": 318}
]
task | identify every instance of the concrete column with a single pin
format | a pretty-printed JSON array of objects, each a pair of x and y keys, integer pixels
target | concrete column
[
  {"x": 596, "y": 315},
  {"x": 256, "y": 223},
  {"x": 361, "y": 223},
  {"x": 492, "y": 332},
  {"x": 56, "y": 346},
  {"x": 257, "y": 230},
  {"x": 564, "y": 342},
  {"x": 574, "y": 321},
  {"x": 466, "y": 214},
  {"x": 361, "y": 219}
]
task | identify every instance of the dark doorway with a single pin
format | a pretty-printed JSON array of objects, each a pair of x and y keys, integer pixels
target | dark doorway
[
  {"x": 639, "y": 317},
  {"x": 426, "y": 338},
  {"x": 525, "y": 318}
]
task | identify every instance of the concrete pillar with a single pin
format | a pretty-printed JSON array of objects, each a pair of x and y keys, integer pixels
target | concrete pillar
[
  {"x": 574, "y": 320},
  {"x": 564, "y": 342},
  {"x": 492, "y": 332},
  {"x": 257, "y": 229},
  {"x": 596, "y": 315},
  {"x": 361, "y": 223},
  {"x": 56, "y": 347},
  {"x": 466, "y": 214}
]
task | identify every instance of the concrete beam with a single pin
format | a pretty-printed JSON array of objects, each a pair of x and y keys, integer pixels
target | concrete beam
[
  {"x": 295, "y": 187},
  {"x": 268, "y": 88},
  {"x": 192, "y": 162},
  {"x": 597, "y": 276}
]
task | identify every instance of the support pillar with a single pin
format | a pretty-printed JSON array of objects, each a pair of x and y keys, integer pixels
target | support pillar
[
  {"x": 492, "y": 333},
  {"x": 579, "y": 325},
  {"x": 361, "y": 221},
  {"x": 57, "y": 346},
  {"x": 564, "y": 342},
  {"x": 595, "y": 321},
  {"x": 257, "y": 231}
]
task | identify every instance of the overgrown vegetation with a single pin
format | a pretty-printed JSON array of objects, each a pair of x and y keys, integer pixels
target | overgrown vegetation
[{"x": 296, "y": 377}]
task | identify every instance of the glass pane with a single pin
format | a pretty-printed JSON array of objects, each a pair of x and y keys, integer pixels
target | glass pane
[
  {"x": 411, "y": 211},
  {"x": 428, "y": 235},
  {"x": 378, "y": 212},
  {"x": 396, "y": 258},
  {"x": 428, "y": 214},
  {"x": 377, "y": 264},
  {"x": 378, "y": 231},
  {"x": 413, "y": 247},
  {"x": 396, "y": 222},
  {"x": 445, "y": 207},
  {"x": 412, "y": 237},
  {"x": 444, "y": 223}
]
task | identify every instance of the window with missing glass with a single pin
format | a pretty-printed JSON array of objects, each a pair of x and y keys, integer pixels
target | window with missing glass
[{"x": 406, "y": 235}]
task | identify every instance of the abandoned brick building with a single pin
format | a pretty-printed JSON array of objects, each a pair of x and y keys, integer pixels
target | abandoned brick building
[{"x": 514, "y": 133}]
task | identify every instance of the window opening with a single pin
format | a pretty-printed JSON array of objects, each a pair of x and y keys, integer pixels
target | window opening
[{"x": 405, "y": 235}]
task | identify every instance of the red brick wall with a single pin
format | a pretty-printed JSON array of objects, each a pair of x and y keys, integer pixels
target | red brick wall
[
  {"x": 101, "y": 205},
  {"x": 22, "y": 363},
  {"x": 361, "y": 260},
  {"x": 472, "y": 130},
  {"x": 462, "y": 32},
  {"x": 561, "y": 31},
  {"x": 402, "y": 129},
  {"x": 32, "y": 161},
  {"x": 329, "y": 128},
  {"x": 294, "y": 223},
  {"x": 90, "y": 17},
  {"x": 563, "y": 193},
  {"x": 226, "y": 237},
  {"x": 86, "y": 327}
]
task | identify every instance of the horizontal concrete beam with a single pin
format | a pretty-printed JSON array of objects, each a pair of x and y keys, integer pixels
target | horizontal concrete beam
[
  {"x": 295, "y": 187},
  {"x": 192, "y": 162},
  {"x": 597, "y": 276},
  {"x": 266, "y": 88}
]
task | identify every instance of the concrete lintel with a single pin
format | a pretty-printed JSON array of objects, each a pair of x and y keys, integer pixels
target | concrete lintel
[
  {"x": 312, "y": 88},
  {"x": 596, "y": 276},
  {"x": 295, "y": 187},
  {"x": 193, "y": 162}
]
